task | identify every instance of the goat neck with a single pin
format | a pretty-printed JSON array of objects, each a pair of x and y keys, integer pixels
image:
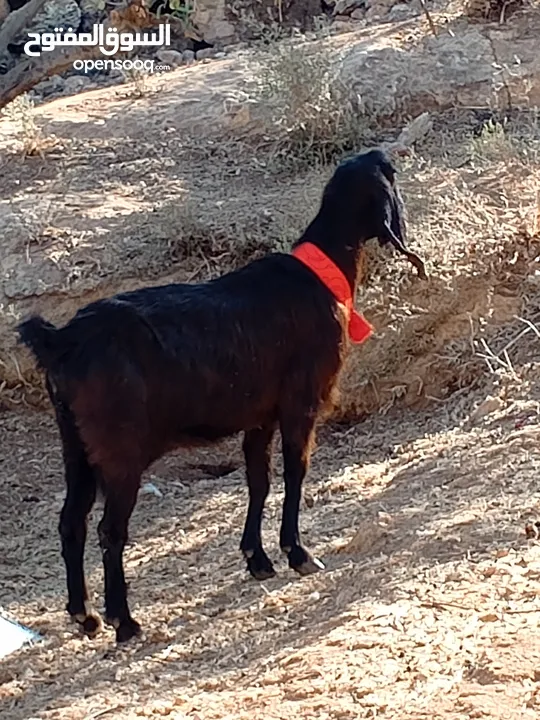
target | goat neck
[{"x": 342, "y": 246}]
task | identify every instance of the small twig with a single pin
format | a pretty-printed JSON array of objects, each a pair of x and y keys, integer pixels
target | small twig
[
  {"x": 205, "y": 261},
  {"x": 531, "y": 325},
  {"x": 428, "y": 16},
  {"x": 471, "y": 337},
  {"x": 101, "y": 713},
  {"x": 514, "y": 341},
  {"x": 491, "y": 356},
  {"x": 507, "y": 358},
  {"x": 444, "y": 605}
]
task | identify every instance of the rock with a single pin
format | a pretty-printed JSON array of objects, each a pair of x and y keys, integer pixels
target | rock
[
  {"x": 54, "y": 84},
  {"x": 400, "y": 12},
  {"x": 75, "y": 84},
  {"x": 92, "y": 6},
  {"x": 346, "y": 7},
  {"x": 173, "y": 58},
  {"x": 150, "y": 489},
  {"x": 343, "y": 24},
  {"x": 210, "y": 19},
  {"x": 396, "y": 148},
  {"x": 18, "y": 231},
  {"x": 415, "y": 130},
  {"x": 188, "y": 57},
  {"x": 488, "y": 406},
  {"x": 205, "y": 54},
  {"x": 368, "y": 535},
  {"x": 22, "y": 280},
  {"x": 220, "y": 31},
  {"x": 440, "y": 73},
  {"x": 6, "y": 62},
  {"x": 358, "y": 14}
]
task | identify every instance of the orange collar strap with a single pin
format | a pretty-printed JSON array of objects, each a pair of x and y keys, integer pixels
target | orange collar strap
[{"x": 329, "y": 273}]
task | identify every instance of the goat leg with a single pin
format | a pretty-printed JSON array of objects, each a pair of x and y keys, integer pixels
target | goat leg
[
  {"x": 80, "y": 497},
  {"x": 297, "y": 437},
  {"x": 113, "y": 532},
  {"x": 257, "y": 452}
]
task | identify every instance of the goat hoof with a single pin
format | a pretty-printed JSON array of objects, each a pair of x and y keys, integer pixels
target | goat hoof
[
  {"x": 90, "y": 623},
  {"x": 126, "y": 630},
  {"x": 259, "y": 565},
  {"x": 302, "y": 562}
]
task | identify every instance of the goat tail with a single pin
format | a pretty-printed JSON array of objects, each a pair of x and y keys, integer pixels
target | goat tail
[{"x": 40, "y": 336}]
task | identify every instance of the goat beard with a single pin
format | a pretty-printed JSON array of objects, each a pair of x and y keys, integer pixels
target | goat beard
[{"x": 390, "y": 237}]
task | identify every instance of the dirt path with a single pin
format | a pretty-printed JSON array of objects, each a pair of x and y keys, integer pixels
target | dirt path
[{"x": 428, "y": 607}]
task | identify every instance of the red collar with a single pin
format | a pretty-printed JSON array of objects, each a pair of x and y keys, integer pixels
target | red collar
[{"x": 329, "y": 273}]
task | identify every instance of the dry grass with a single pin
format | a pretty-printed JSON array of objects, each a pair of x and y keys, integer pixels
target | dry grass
[
  {"x": 492, "y": 10},
  {"x": 32, "y": 140},
  {"x": 314, "y": 116},
  {"x": 471, "y": 188},
  {"x": 472, "y": 195}
]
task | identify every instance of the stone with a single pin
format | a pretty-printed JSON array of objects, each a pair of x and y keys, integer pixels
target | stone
[
  {"x": 346, "y": 7},
  {"x": 75, "y": 84},
  {"x": 54, "y": 84},
  {"x": 205, "y": 54},
  {"x": 210, "y": 19},
  {"x": 489, "y": 405},
  {"x": 220, "y": 31},
  {"x": 400, "y": 12},
  {"x": 92, "y": 6},
  {"x": 22, "y": 280},
  {"x": 415, "y": 130},
  {"x": 343, "y": 24},
  {"x": 173, "y": 58},
  {"x": 358, "y": 14}
]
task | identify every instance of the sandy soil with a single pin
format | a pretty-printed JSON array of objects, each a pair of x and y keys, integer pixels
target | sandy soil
[{"x": 428, "y": 606}]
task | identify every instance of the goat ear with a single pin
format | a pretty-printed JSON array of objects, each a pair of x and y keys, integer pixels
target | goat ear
[{"x": 389, "y": 236}]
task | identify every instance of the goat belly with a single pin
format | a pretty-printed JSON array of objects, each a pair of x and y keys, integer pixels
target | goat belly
[{"x": 205, "y": 405}]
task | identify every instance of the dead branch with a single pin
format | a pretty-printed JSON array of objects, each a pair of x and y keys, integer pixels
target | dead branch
[
  {"x": 428, "y": 17},
  {"x": 25, "y": 75}
]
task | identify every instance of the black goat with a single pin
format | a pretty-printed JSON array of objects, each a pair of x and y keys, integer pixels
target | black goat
[{"x": 134, "y": 376}]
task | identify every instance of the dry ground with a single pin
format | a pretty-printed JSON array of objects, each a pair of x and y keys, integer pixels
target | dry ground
[{"x": 428, "y": 607}]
